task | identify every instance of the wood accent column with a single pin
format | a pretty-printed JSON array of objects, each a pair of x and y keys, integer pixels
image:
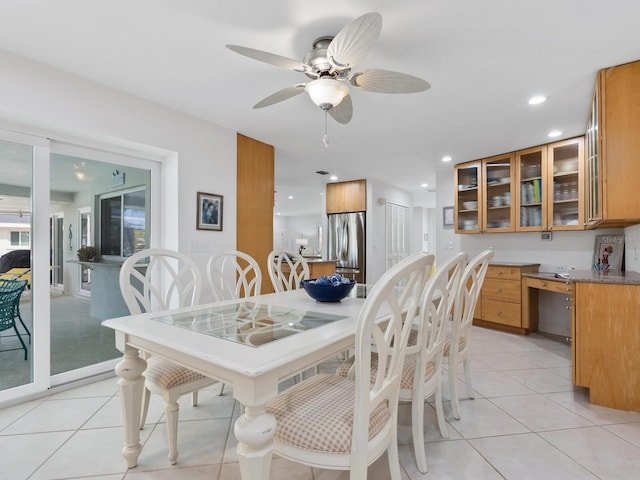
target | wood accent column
[{"x": 255, "y": 201}]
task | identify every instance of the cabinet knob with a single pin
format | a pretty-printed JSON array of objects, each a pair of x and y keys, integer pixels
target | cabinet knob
[
  {"x": 499, "y": 314},
  {"x": 499, "y": 272},
  {"x": 568, "y": 307},
  {"x": 568, "y": 299},
  {"x": 544, "y": 284}
]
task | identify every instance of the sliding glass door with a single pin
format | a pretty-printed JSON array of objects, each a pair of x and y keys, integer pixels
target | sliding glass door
[
  {"x": 103, "y": 203},
  {"x": 17, "y": 329},
  {"x": 50, "y": 206}
]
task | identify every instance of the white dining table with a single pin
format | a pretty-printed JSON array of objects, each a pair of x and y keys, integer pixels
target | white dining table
[{"x": 251, "y": 344}]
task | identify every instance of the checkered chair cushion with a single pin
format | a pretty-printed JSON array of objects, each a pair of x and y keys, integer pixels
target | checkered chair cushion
[
  {"x": 408, "y": 370},
  {"x": 317, "y": 415},
  {"x": 447, "y": 345},
  {"x": 169, "y": 375}
]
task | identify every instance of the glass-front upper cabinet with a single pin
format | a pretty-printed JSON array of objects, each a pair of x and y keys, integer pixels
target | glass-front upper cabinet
[
  {"x": 531, "y": 188},
  {"x": 467, "y": 211},
  {"x": 594, "y": 185},
  {"x": 497, "y": 193},
  {"x": 566, "y": 178}
]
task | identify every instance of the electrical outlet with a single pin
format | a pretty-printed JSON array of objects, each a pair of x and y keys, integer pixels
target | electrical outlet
[
  {"x": 561, "y": 268},
  {"x": 450, "y": 244}
]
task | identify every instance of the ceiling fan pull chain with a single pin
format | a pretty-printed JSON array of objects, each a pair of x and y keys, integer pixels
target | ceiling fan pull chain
[{"x": 325, "y": 137}]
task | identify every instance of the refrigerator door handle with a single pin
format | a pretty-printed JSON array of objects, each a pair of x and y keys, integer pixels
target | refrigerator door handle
[{"x": 342, "y": 237}]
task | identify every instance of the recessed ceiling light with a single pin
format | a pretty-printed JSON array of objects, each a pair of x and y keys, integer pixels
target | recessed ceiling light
[
  {"x": 290, "y": 197},
  {"x": 424, "y": 185},
  {"x": 555, "y": 133},
  {"x": 538, "y": 99},
  {"x": 446, "y": 158},
  {"x": 333, "y": 177}
]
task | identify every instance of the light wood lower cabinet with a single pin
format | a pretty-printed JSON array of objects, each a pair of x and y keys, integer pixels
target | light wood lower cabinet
[
  {"x": 606, "y": 342},
  {"x": 501, "y": 298}
]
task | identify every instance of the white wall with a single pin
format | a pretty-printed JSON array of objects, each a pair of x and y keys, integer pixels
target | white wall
[
  {"x": 378, "y": 194},
  {"x": 287, "y": 228},
  {"x": 198, "y": 156}
]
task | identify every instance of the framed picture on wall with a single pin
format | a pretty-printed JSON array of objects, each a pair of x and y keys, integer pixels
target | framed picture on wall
[
  {"x": 209, "y": 212},
  {"x": 608, "y": 252},
  {"x": 447, "y": 217}
]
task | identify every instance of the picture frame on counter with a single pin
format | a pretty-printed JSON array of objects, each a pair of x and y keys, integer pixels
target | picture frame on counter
[
  {"x": 447, "y": 217},
  {"x": 608, "y": 253},
  {"x": 209, "y": 216}
]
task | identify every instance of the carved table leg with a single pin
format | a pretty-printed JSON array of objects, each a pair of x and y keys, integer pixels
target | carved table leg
[
  {"x": 255, "y": 430},
  {"x": 131, "y": 386}
]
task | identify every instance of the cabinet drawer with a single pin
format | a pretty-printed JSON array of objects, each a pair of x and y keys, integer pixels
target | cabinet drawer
[
  {"x": 501, "y": 290},
  {"x": 560, "y": 287},
  {"x": 501, "y": 312},
  {"x": 509, "y": 273}
]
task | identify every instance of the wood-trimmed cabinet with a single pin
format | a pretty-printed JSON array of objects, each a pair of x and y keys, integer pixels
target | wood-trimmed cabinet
[
  {"x": 343, "y": 197},
  {"x": 484, "y": 191},
  {"x": 501, "y": 298},
  {"x": 537, "y": 189},
  {"x": 550, "y": 187},
  {"x": 613, "y": 148},
  {"x": 606, "y": 338}
]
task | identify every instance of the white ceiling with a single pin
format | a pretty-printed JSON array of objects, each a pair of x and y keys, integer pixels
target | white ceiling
[{"x": 484, "y": 59}]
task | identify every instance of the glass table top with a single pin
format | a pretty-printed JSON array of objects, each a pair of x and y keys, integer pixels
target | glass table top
[{"x": 249, "y": 323}]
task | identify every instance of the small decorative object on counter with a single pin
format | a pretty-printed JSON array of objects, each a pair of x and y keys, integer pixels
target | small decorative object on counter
[{"x": 87, "y": 254}]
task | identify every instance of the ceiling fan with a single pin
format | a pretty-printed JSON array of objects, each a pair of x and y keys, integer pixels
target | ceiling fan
[{"x": 330, "y": 66}]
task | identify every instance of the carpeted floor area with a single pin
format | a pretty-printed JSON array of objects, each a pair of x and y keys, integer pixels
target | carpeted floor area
[{"x": 77, "y": 340}]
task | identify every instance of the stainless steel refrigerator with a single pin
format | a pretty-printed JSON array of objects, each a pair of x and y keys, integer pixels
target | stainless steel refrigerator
[{"x": 346, "y": 244}]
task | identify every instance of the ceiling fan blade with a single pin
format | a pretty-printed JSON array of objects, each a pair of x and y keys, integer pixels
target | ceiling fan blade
[
  {"x": 354, "y": 40},
  {"x": 281, "y": 95},
  {"x": 343, "y": 112},
  {"x": 386, "y": 81},
  {"x": 270, "y": 58}
]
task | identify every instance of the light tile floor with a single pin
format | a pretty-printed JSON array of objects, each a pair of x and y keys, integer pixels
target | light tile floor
[{"x": 526, "y": 422}]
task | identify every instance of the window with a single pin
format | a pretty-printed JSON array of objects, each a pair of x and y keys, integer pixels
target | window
[
  {"x": 122, "y": 223},
  {"x": 20, "y": 239}
]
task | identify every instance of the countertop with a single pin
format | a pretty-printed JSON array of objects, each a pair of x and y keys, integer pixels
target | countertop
[
  {"x": 513, "y": 264},
  {"x": 591, "y": 276}
]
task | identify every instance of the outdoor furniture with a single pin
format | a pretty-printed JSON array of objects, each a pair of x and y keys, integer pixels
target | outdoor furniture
[{"x": 10, "y": 292}]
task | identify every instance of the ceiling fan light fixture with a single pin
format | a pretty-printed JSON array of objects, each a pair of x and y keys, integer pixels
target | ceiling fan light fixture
[{"x": 326, "y": 93}]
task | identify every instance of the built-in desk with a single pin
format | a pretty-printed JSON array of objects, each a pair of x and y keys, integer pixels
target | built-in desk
[
  {"x": 605, "y": 331},
  {"x": 531, "y": 283}
]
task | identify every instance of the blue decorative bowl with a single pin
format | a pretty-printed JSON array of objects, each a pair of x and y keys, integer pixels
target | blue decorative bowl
[{"x": 327, "y": 293}]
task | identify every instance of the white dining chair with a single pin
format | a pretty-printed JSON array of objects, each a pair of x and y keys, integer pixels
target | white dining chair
[
  {"x": 234, "y": 274},
  {"x": 346, "y": 423},
  {"x": 465, "y": 304},
  {"x": 155, "y": 280},
  {"x": 424, "y": 352},
  {"x": 286, "y": 270}
]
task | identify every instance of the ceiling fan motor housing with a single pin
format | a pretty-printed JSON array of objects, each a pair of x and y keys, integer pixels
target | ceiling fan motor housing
[{"x": 317, "y": 59}]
